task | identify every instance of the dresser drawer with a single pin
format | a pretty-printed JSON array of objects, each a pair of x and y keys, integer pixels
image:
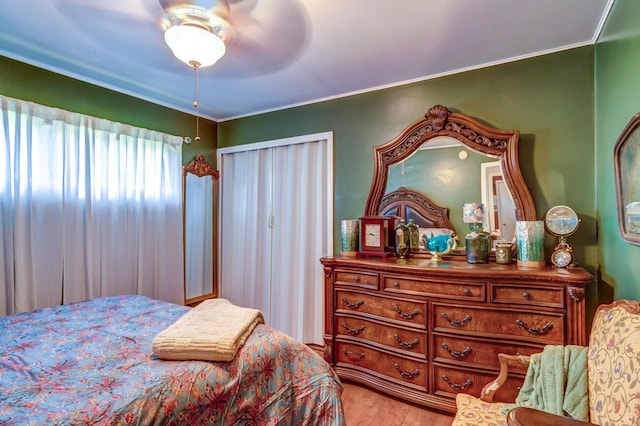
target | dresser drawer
[
  {"x": 449, "y": 381},
  {"x": 534, "y": 327},
  {"x": 356, "y": 278},
  {"x": 527, "y": 295},
  {"x": 403, "y": 339},
  {"x": 468, "y": 291},
  {"x": 463, "y": 351},
  {"x": 395, "y": 309},
  {"x": 408, "y": 371}
]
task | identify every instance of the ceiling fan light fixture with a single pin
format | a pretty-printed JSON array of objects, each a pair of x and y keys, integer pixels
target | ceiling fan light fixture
[{"x": 194, "y": 45}]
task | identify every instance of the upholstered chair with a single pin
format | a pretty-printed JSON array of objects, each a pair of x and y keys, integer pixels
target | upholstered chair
[{"x": 613, "y": 378}]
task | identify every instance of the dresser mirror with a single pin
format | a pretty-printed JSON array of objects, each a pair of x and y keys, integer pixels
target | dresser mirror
[
  {"x": 199, "y": 220},
  {"x": 444, "y": 160}
]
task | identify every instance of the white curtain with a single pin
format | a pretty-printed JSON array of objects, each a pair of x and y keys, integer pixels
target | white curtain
[
  {"x": 88, "y": 208},
  {"x": 276, "y": 223}
]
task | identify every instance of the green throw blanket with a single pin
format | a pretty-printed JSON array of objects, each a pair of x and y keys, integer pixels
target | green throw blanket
[{"x": 556, "y": 382}]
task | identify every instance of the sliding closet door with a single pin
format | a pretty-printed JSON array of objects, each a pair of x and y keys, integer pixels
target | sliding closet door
[
  {"x": 288, "y": 211},
  {"x": 299, "y": 177},
  {"x": 245, "y": 249}
]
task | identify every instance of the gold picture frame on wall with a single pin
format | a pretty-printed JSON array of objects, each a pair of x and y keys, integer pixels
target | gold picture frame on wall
[{"x": 627, "y": 178}]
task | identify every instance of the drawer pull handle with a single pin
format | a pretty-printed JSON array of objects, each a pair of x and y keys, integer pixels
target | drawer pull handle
[
  {"x": 467, "y": 292},
  {"x": 526, "y": 295},
  {"x": 405, "y": 344},
  {"x": 357, "y": 279},
  {"x": 352, "y": 331},
  {"x": 410, "y": 315},
  {"x": 406, "y": 374},
  {"x": 456, "y": 323},
  {"x": 457, "y": 354},
  {"x": 536, "y": 331},
  {"x": 456, "y": 386},
  {"x": 396, "y": 284},
  {"x": 352, "y": 355},
  {"x": 353, "y": 305}
]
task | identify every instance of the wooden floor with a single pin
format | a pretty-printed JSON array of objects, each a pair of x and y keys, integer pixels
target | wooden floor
[{"x": 366, "y": 407}]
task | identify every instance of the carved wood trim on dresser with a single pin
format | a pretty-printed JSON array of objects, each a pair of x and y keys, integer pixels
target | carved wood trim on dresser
[{"x": 423, "y": 332}]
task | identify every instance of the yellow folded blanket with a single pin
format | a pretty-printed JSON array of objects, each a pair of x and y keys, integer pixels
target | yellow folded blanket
[{"x": 212, "y": 331}]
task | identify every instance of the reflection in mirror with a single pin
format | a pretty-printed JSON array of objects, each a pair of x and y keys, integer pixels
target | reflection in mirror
[
  {"x": 449, "y": 158},
  {"x": 467, "y": 175},
  {"x": 500, "y": 219},
  {"x": 200, "y": 187}
]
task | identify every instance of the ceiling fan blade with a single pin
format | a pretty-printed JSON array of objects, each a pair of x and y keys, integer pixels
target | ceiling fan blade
[
  {"x": 268, "y": 37},
  {"x": 126, "y": 28},
  {"x": 113, "y": 9}
]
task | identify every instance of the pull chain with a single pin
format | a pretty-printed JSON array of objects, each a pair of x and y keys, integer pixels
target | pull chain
[{"x": 196, "y": 66}]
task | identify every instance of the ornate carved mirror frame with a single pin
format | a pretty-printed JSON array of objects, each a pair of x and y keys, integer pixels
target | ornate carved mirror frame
[{"x": 440, "y": 121}]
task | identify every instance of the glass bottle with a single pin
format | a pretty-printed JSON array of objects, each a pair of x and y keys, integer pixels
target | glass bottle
[
  {"x": 414, "y": 236},
  {"x": 403, "y": 243},
  {"x": 478, "y": 244}
]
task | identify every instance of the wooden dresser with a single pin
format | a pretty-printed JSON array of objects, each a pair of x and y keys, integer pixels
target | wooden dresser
[{"x": 423, "y": 331}]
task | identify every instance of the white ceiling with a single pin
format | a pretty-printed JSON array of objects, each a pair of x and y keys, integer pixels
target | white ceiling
[{"x": 290, "y": 52}]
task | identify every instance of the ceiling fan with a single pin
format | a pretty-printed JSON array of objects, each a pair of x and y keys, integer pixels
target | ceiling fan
[{"x": 260, "y": 36}]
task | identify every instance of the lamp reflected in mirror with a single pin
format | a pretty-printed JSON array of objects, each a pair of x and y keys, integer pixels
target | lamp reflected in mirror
[{"x": 200, "y": 194}]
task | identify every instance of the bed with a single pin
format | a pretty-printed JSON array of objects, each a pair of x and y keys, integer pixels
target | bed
[{"x": 92, "y": 363}]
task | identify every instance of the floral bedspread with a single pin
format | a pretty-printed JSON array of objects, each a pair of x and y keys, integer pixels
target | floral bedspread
[{"x": 91, "y": 363}]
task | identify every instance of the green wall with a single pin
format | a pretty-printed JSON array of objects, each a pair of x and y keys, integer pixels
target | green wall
[
  {"x": 548, "y": 98},
  {"x": 617, "y": 83},
  {"x": 29, "y": 83}
]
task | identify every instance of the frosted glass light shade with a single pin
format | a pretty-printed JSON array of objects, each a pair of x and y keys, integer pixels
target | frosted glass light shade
[{"x": 193, "y": 44}]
